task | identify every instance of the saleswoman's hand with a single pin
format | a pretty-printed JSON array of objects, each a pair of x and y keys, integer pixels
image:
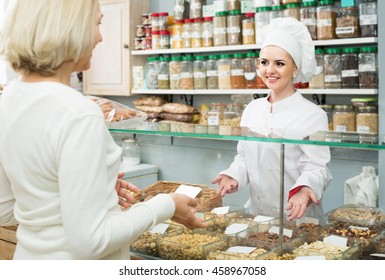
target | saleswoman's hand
[
  {"x": 124, "y": 190},
  {"x": 226, "y": 184},
  {"x": 299, "y": 202}
]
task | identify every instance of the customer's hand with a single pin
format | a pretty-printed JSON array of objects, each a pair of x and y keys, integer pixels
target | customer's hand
[
  {"x": 299, "y": 202},
  {"x": 123, "y": 189},
  {"x": 185, "y": 211},
  {"x": 226, "y": 184}
]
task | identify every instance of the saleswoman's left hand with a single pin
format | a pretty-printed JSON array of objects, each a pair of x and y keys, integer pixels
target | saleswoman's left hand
[
  {"x": 124, "y": 189},
  {"x": 298, "y": 203}
]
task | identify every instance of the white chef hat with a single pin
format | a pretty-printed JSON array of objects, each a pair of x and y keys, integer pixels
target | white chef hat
[{"x": 294, "y": 37}]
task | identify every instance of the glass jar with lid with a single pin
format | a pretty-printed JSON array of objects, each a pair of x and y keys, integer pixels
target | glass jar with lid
[
  {"x": 329, "y": 109},
  {"x": 215, "y": 115},
  {"x": 233, "y": 5},
  {"x": 248, "y": 29},
  {"x": 224, "y": 71},
  {"x": 349, "y": 68},
  {"x": 155, "y": 22},
  {"x": 368, "y": 18},
  {"x": 195, "y": 9},
  {"x": 318, "y": 80},
  {"x": 175, "y": 71},
  {"x": 276, "y": 12},
  {"x": 199, "y": 68},
  {"x": 178, "y": 9},
  {"x": 177, "y": 42},
  {"x": 186, "y": 33},
  {"x": 207, "y": 32},
  {"x": 130, "y": 152},
  {"x": 292, "y": 10},
  {"x": 162, "y": 20},
  {"x": 237, "y": 73},
  {"x": 163, "y": 74},
  {"x": 367, "y": 119},
  {"x": 196, "y": 33},
  {"x": 347, "y": 23},
  {"x": 326, "y": 20},
  {"x": 164, "y": 39},
  {"x": 212, "y": 72},
  {"x": 231, "y": 119},
  {"x": 309, "y": 17},
  {"x": 187, "y": 79},
  {"x": 155, "y": 40},
  {"x": 332, "y": 69},
  {"x": 220, "y": 29},
  {"x": 250, "y": 70},
  {"x": 344, "y": 118},
  {"x": 261, "y": 20},
  {"x": 151, "y": 72},
  {"x": 368, "y": 67},
  {"x": 234, "y": 21}
]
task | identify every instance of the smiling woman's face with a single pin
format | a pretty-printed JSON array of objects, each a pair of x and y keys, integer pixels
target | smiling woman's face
[{"x": 277, "y": 68}]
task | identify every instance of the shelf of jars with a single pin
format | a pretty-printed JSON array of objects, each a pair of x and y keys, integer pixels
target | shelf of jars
[
  {"x": 336, "y": 42},
  {"x": 253, "y": 91},
  {"x": 352, "y": 140}
]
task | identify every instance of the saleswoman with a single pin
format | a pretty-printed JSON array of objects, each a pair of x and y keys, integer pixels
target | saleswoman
[{"x": 286, "y": 58}]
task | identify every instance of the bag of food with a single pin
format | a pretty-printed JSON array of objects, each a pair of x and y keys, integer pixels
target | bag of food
[{"x": 117, "y": 115}]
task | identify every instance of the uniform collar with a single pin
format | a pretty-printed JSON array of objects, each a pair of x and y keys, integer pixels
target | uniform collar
[{"x": 284, "y": 104}]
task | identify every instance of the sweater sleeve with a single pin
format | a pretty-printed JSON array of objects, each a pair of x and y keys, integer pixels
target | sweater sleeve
[
  {"x": 94, "y": 226},
  {"x": 7, "y": 200}
]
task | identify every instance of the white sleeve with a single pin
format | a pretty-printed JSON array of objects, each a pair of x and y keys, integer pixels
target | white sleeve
[
  {"x": 7, "y": 200},
  {"x": 87, "y": 191}
]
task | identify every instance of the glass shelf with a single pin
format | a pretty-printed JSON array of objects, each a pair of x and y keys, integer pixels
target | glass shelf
[{"x": 317, "y": 138}]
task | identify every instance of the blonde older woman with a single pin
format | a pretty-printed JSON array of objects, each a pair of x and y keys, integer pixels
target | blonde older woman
[{"x": 58, "y": 162}]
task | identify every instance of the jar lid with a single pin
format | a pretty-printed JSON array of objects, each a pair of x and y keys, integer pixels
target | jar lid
[
  {"x": 197, "y": 19},
  {"x": 368, "y": 49},
  {"x": 176, "y": 58},
  {"x": 263, "y": 9},
  {"x": 208, "y": 18},
  {"x": 164, "y": 58},
  {"x": 319, "y": 51},
  {"x": 293, "y": 6},
  {"x": 327, "y": 106},
  {"x": 367, "y": 108},
  {"x": 250, "y": 14},
  {"x": 213, "y": 56},
  {"x": 188, "y": 20},
  {"x": 333, "y": 50},
  {"x": 221, "y": 14},
  {"x": 179, "y": 21},
  {"x": 187, "y": 58},
  {"x": 238, "y": 55},
  {"x": 163, "y": 14},
  {"x": 154, "y": 14},
  {"x": 351, "y": 50},
  {"x": 234, "y": 12},
  {"x": 164, "y": 32},
  {"x": 363, "y": 101},
  {"x": 225, "y": 55},
  {"x": 251, "y": 54},
  {"x": 326, "y": 2},
  {"x": 199, "y": 57},
  {"x": 278, "y": 8},
  {"x": 347, "y": 107},
  {"x": 155, "y": 32},
  {"x": 309, "y": 4}
]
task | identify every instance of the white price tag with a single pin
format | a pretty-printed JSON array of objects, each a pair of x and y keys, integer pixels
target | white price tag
[
  {"x": 221, "y": 210},
  {"x": 235, "y": 228},
  {"x": 241, "y": 249},
  {"x": 336, "y": 240},
  {"x": 188, "y": 190},
  {"x": 159, "y": 228},
  {"x": 287, "y": 232},
  {"x": 263, "y": 219},
  {"x": 310, "y": 258},
  {"x": 359, "y": 228}
]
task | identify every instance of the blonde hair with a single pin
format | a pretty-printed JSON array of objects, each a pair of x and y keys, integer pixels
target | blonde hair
[{"x": 38, "y": 36}]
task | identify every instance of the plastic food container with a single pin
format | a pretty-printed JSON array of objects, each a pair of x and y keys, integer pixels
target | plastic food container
[
  {"x": 194, "y": 245},
  {"x": 357, "y": 215}
]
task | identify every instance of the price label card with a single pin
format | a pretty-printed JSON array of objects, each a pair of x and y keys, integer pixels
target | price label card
[
  {"x": 221, "y": 210},
  {"x": 241, "y": 249},
  {"x": 359, "y": 228},
  {"x": 263, "y": 219},
  {"x": 159, "y": 228},
  {"x": 307, "y": 220},
  {"x": 235, "y": 228},
  {"x": 188, "y": 190},
  {"x": 287, "y": 232},
  {"x": 310, "y": 258},
  {"x": 378, "y": 255},
  {"x": 335, "y": 240}
]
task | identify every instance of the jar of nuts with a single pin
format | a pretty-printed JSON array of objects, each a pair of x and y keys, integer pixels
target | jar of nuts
[
  {"x": 367, "y": 119},
  {"x": 344, "y": 118},
  {"x": 326, "y": 20},
  {"x": 347, "y": 25}
]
